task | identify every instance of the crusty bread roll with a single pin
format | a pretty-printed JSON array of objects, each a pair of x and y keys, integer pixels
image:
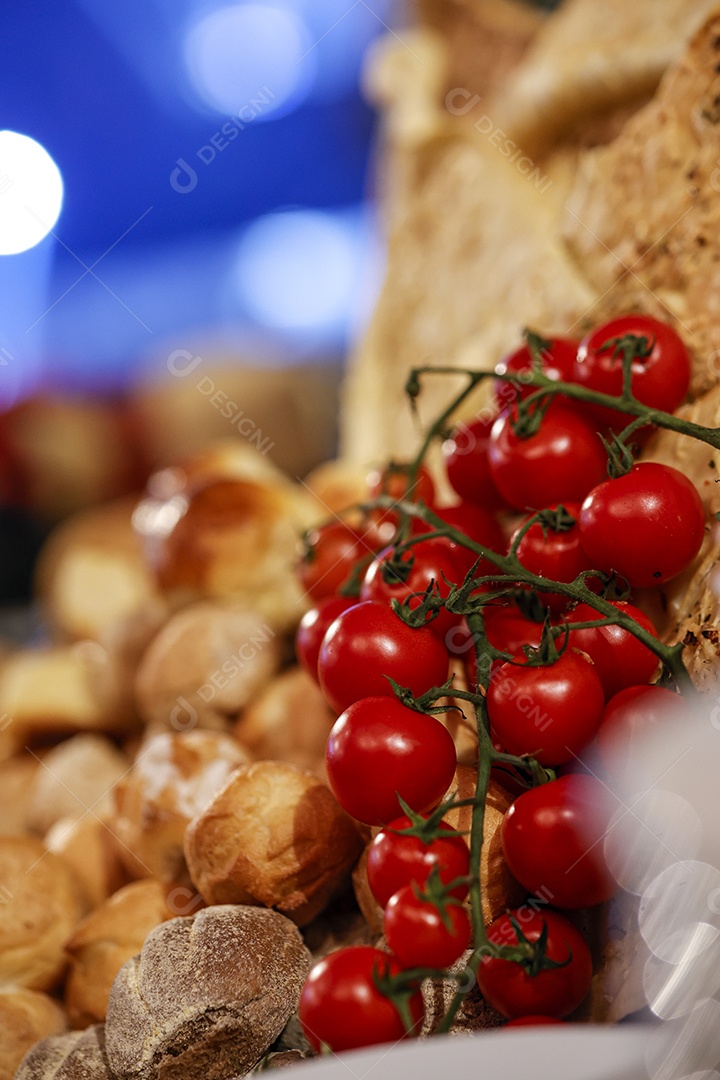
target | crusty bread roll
[
  {"x": 16, "y": 782},
  {"x": 90, "y": 849},
  {"x": 91, "y": 573},
  {"x": 207, "y": 995},
  {"x": 206, "y": 663},
  {"x": 276, "y": 836},
  {"x": 77, "y": 1055},
  {"x": 289, "y": 720},
  {"x": 371, "y": 910},
  {"x": 173, "y": 778},
  {"x": 75, "y": 778},
  {"x": 500, "y": 889},
  {"x": 109, "y": 936},
  {"x": 224, "y": 538},
  {"x": 40, "y": 906},
  {"x": 25, "y": 1017}
]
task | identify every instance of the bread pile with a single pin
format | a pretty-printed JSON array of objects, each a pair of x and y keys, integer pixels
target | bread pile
[{"x": 170, "y": 855}]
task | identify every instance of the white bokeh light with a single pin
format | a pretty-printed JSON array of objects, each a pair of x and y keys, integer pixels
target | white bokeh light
[
  {"x": 297, "y": 270},
  {"x": 243, "y": 52},
  {"x": 31, "y": 193}
]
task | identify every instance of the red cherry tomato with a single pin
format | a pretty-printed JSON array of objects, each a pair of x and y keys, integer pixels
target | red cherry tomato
[
  {"x": 506, "y": 628},
  {"x": 660, "y": 380},
  {"x": 341, "y": 1006},
  {"x": 549, "y": 712},
  {"x": 367, "y": 643},
  {"x": 555, "y": 554},
  {"x": 620, "y": 659},
  {"x": 533, "y": 1021},
  {"x": 509, "y": 988},
  {"x": 552, "y": 841},
  {"x": 430, "y": 560},
  {"x": 418, "y": 935},
  {"x": 631, "y": 717},
  {"x": 557, "y": 363},
  {"x": 561, "y": 462},
  {"x": 395, "y": 860},
  {"x": 393, "y": 481},
  {"x": 467, "y": 465},
  {"x": 378, "y": 749},
  {"x": 330, "y": 554},
  {"x": 478, "y": 525},
  {"x": 313, "y": 627},
  {"x": 647, "y": 525}
]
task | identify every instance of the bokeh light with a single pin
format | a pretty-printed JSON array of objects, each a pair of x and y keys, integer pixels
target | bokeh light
[{"x": 31, "y": 193}]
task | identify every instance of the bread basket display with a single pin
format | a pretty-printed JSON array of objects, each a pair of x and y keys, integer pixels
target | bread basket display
[{"x": 306, "y": 765}]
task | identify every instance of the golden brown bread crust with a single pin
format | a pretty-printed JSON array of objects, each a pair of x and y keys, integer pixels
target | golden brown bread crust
[
  {"x": 205, "y": 664},
  {"x": 107, "y": 938},
  {"x": 76, "y": 776},
  {"x": 25, "y": 1017},
  {"x": 642, "y": 219},
  {"x": 207, "y": 995},
  {"x": 41, "y": 906},
  {"x": 90, "y": 849},
  {"x": 276, "y": 836},
  {"x": 289, "y": 720},
  {"x": 174, "y": 776}
]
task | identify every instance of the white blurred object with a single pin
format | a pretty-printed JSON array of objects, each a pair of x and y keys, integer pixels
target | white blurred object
[
  {"x": 664, "y": 846},
  {"x": 31, "y": 193},
  {"x": 571, "y": 1053}
]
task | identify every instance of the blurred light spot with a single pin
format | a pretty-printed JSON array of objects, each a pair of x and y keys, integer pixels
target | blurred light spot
[
  {"x": 250, "y": 58},
  {"x": 660, "y": 829},
  {"x": 675, "y": 989},
  {"x": 31, "y": 193},
  {"x": 679, "y": 898},
  {"x": 297, "y": 270},
  {"x": 684, "y": 1047}
]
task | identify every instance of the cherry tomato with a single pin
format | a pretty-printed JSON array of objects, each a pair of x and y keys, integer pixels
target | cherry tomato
[
  {"x": 393, "y": 481},
  {"x": 429, "y": 560},
  {"x": 533, "y": 1021},
  {"x": 341, "y": 1006},
  {"x": 660, "y": 380},
  {"x": 561, "y": 462},
  {"x": 632, "y": 716},
  {"x": 550, "y": 712},
  {"x": 368, "y": 642},
  {"x": 378, "y": 749},
  {"x": 509, "y": 988},
  {"x": 556, "y": 554},
  {"x": 557, "y": 363},
  {"x": 478, "y": 525},
  {"x": 395, "y": 860},
  {"x": 313, "y": 627},
  {"x": 647, "y": 525},
  {"x": 551, "y": 840},
  {"x": 418, "y": 935},
  {"x": 620, "y": 659},
  {"x": 506, "y": 628},
  {"x": 467, "y": 465},
  {"x": 330, "y": 554}
]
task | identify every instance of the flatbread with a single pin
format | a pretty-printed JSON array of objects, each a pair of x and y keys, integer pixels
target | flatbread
[{"x": 643, "y": 219}]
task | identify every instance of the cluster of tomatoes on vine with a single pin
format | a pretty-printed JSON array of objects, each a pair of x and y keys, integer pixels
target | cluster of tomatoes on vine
[{"x": 549, "y": 693}]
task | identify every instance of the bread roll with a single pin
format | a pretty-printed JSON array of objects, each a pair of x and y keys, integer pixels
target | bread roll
[
  {"x": 91, "y": 851},
  {"x": 174, "y": 777},
  {"x": 40, "y": 906},
  {"x": 107, "y": 938},
  {"x": 78, "y": 1055},
  {"x": 16, "y": 781},
  {"x": 25, "y": 1017},
  {"x": 91, "y": 573},
  {"x": 289, "y": 720},
  {"x": 206, "y": 663},
  {"x": 75, "y": 778},
  {"x": 206, "y": 997},
  {"x": 500, "y": 889},
  {"x": 224, "y": 538},
  {"x": 276, "y": 836}
]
